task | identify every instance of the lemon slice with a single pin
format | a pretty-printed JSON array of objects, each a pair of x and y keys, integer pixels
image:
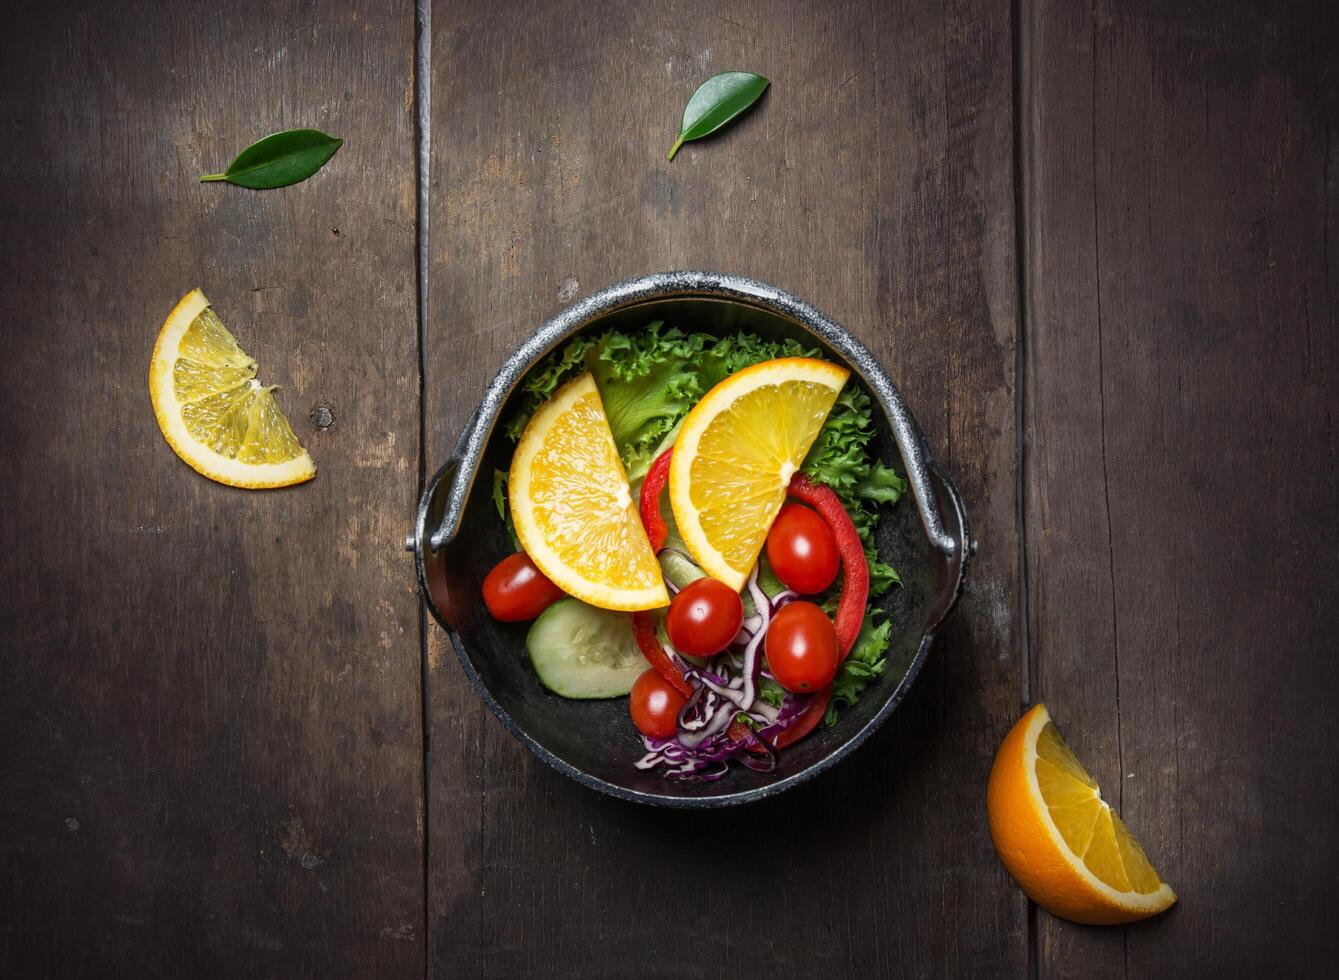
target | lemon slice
[
  {"x": 736, "y": 453},
  {"x": 1059, "y": 839},
  {"x": 211, "y": 409},
  {"x": 573, "y": 509}
]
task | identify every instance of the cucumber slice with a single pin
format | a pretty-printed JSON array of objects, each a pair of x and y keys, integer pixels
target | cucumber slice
[
  {"x": 583, "y": 652},
  {"x": 678, "y": 569}
]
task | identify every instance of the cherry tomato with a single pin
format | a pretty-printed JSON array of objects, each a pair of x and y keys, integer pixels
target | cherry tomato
[
  {"x": 704, "y": 617},
  {"x": 516, "y": 590},
  {"x": 801, "y": 648},
  {"x": 655, "y": 705},
  {"x": 802, "y": 550}
]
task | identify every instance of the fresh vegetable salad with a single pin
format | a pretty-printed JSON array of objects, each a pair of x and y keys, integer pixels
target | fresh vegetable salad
[{"x": 694, "y": 517}]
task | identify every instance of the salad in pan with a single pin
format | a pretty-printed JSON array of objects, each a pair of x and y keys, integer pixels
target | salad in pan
[{"x": 694, "y": 521}]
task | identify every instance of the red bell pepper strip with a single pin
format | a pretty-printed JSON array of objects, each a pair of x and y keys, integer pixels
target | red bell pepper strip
[
  {"x": 738, "y": 731},
  {"x": 644, "y": 628},
  {"x": 806, "y": 722},
  {"x": 855, "y": 581},
  {"x": 851, "y": 605},
  {"x": 652, "y": 487}
]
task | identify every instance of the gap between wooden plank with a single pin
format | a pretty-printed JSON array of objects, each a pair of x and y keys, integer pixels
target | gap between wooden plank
[
  {"x": 1021, "y": 8},
  {"x": 1106, "y": 480},
  {"x": 422, "y": 158},
  {"x": 1020, "y": 15}
]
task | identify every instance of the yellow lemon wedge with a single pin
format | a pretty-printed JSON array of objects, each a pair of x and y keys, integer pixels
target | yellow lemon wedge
[
  {"x": 735, "y": 455},
  {"x": 573, "y": 508},
  {"x": 1060, "y": 840},
  {"x": 211, "y": 409}
]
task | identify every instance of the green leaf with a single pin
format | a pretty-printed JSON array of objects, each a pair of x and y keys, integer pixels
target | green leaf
[
  {"x": 767, "y": 580},
  {"x": 771, "y": 692},
  {"x": 882, "y": 576},
  {"x": 548, "y": 377},
  {"x": 503, "y": 511},
  {"x": 648, "y": 382},
  {"x": 717, "y": 101},
  {"x": 280, "y": 159},
  {"x": 500, "y": 493},
  {"x": 866, "y": 662},
  {"x": 882, "y": 485}
]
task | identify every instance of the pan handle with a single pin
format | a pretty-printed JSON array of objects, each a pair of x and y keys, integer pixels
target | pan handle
[
  {"x": 450, "y": 597},
  {"x": 436, "y": 577},
  {"x": 953, "y": 520}
]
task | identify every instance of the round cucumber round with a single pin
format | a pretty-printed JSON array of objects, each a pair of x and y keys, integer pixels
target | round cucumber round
[{"x": 583, "y": 652}]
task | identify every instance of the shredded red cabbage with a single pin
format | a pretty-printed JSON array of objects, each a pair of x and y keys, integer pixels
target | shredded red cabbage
[{"x": 726, "y": 689}]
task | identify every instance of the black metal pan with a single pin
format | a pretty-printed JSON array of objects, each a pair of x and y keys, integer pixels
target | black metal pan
[{"x": 458, "y": 537}]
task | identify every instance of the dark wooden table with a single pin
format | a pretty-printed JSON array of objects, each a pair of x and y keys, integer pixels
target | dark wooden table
[{"x": 1093, "y": 244}]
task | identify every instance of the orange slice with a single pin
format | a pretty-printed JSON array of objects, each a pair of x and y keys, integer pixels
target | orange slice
[
  {"x": 736, "y": 453},
  {"x": 573, "y": 509},
  {"x": 211, "y": 409},
  {"x": 1059, "y": 839}
]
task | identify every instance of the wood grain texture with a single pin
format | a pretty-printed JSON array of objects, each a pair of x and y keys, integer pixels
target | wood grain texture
[
  {"x": 874, "y": 179},
  {"x": 210, "y": 747},
  {"x": 1181, "y": 461}
]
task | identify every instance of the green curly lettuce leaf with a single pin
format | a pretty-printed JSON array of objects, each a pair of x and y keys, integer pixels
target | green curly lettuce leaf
[
  {"x": 503, "y": 511},
  {"x": 723, "y": 356},
  {"x": 881, "y": 485},
  {"x": 882, "y": 576},
  {"x": 863, "y": 665},
  {"x": 770, "y": 692},
  {"x": 548, "y": 376},
  {"x": 842, "y": 459},
  {"x": 648, "y": 381}
]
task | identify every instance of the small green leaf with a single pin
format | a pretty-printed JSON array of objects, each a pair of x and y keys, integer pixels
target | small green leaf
[
  {"x": 716, "y": 102},
  {"x": 503, "y": 511},
  {"x": 280, "y": 159}
]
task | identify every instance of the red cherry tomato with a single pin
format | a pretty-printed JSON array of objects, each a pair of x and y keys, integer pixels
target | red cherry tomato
[
  {"x": 801, "y": 648},
  {"x": 704, "y": 617},
  {"x": 802, "y": 550},
  {"x": 516, "y": 590},
  {"x": 655, "y": 705}
]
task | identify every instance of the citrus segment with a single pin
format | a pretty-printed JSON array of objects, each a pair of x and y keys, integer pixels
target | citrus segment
[
  {"x": 736, "y": 453},
  {"x": 211, "y": 409},
  {"x": 573, "y": 509},
  {"x": 1059, "y": 839}
]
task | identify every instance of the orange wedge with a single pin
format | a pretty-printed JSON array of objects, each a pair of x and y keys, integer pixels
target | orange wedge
[
  {"x": 1060, "y": 840},
  {"x": 211, "y": 409},
  {"x": 573, "y": 509},
  {"x": 736, "y": 453}
]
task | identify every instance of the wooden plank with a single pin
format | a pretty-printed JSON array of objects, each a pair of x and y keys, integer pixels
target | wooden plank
[
  {"x": 210, "y": 747},
  {"x": 1181, "y": 461},
  {"x": 874, "y": 180}
]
